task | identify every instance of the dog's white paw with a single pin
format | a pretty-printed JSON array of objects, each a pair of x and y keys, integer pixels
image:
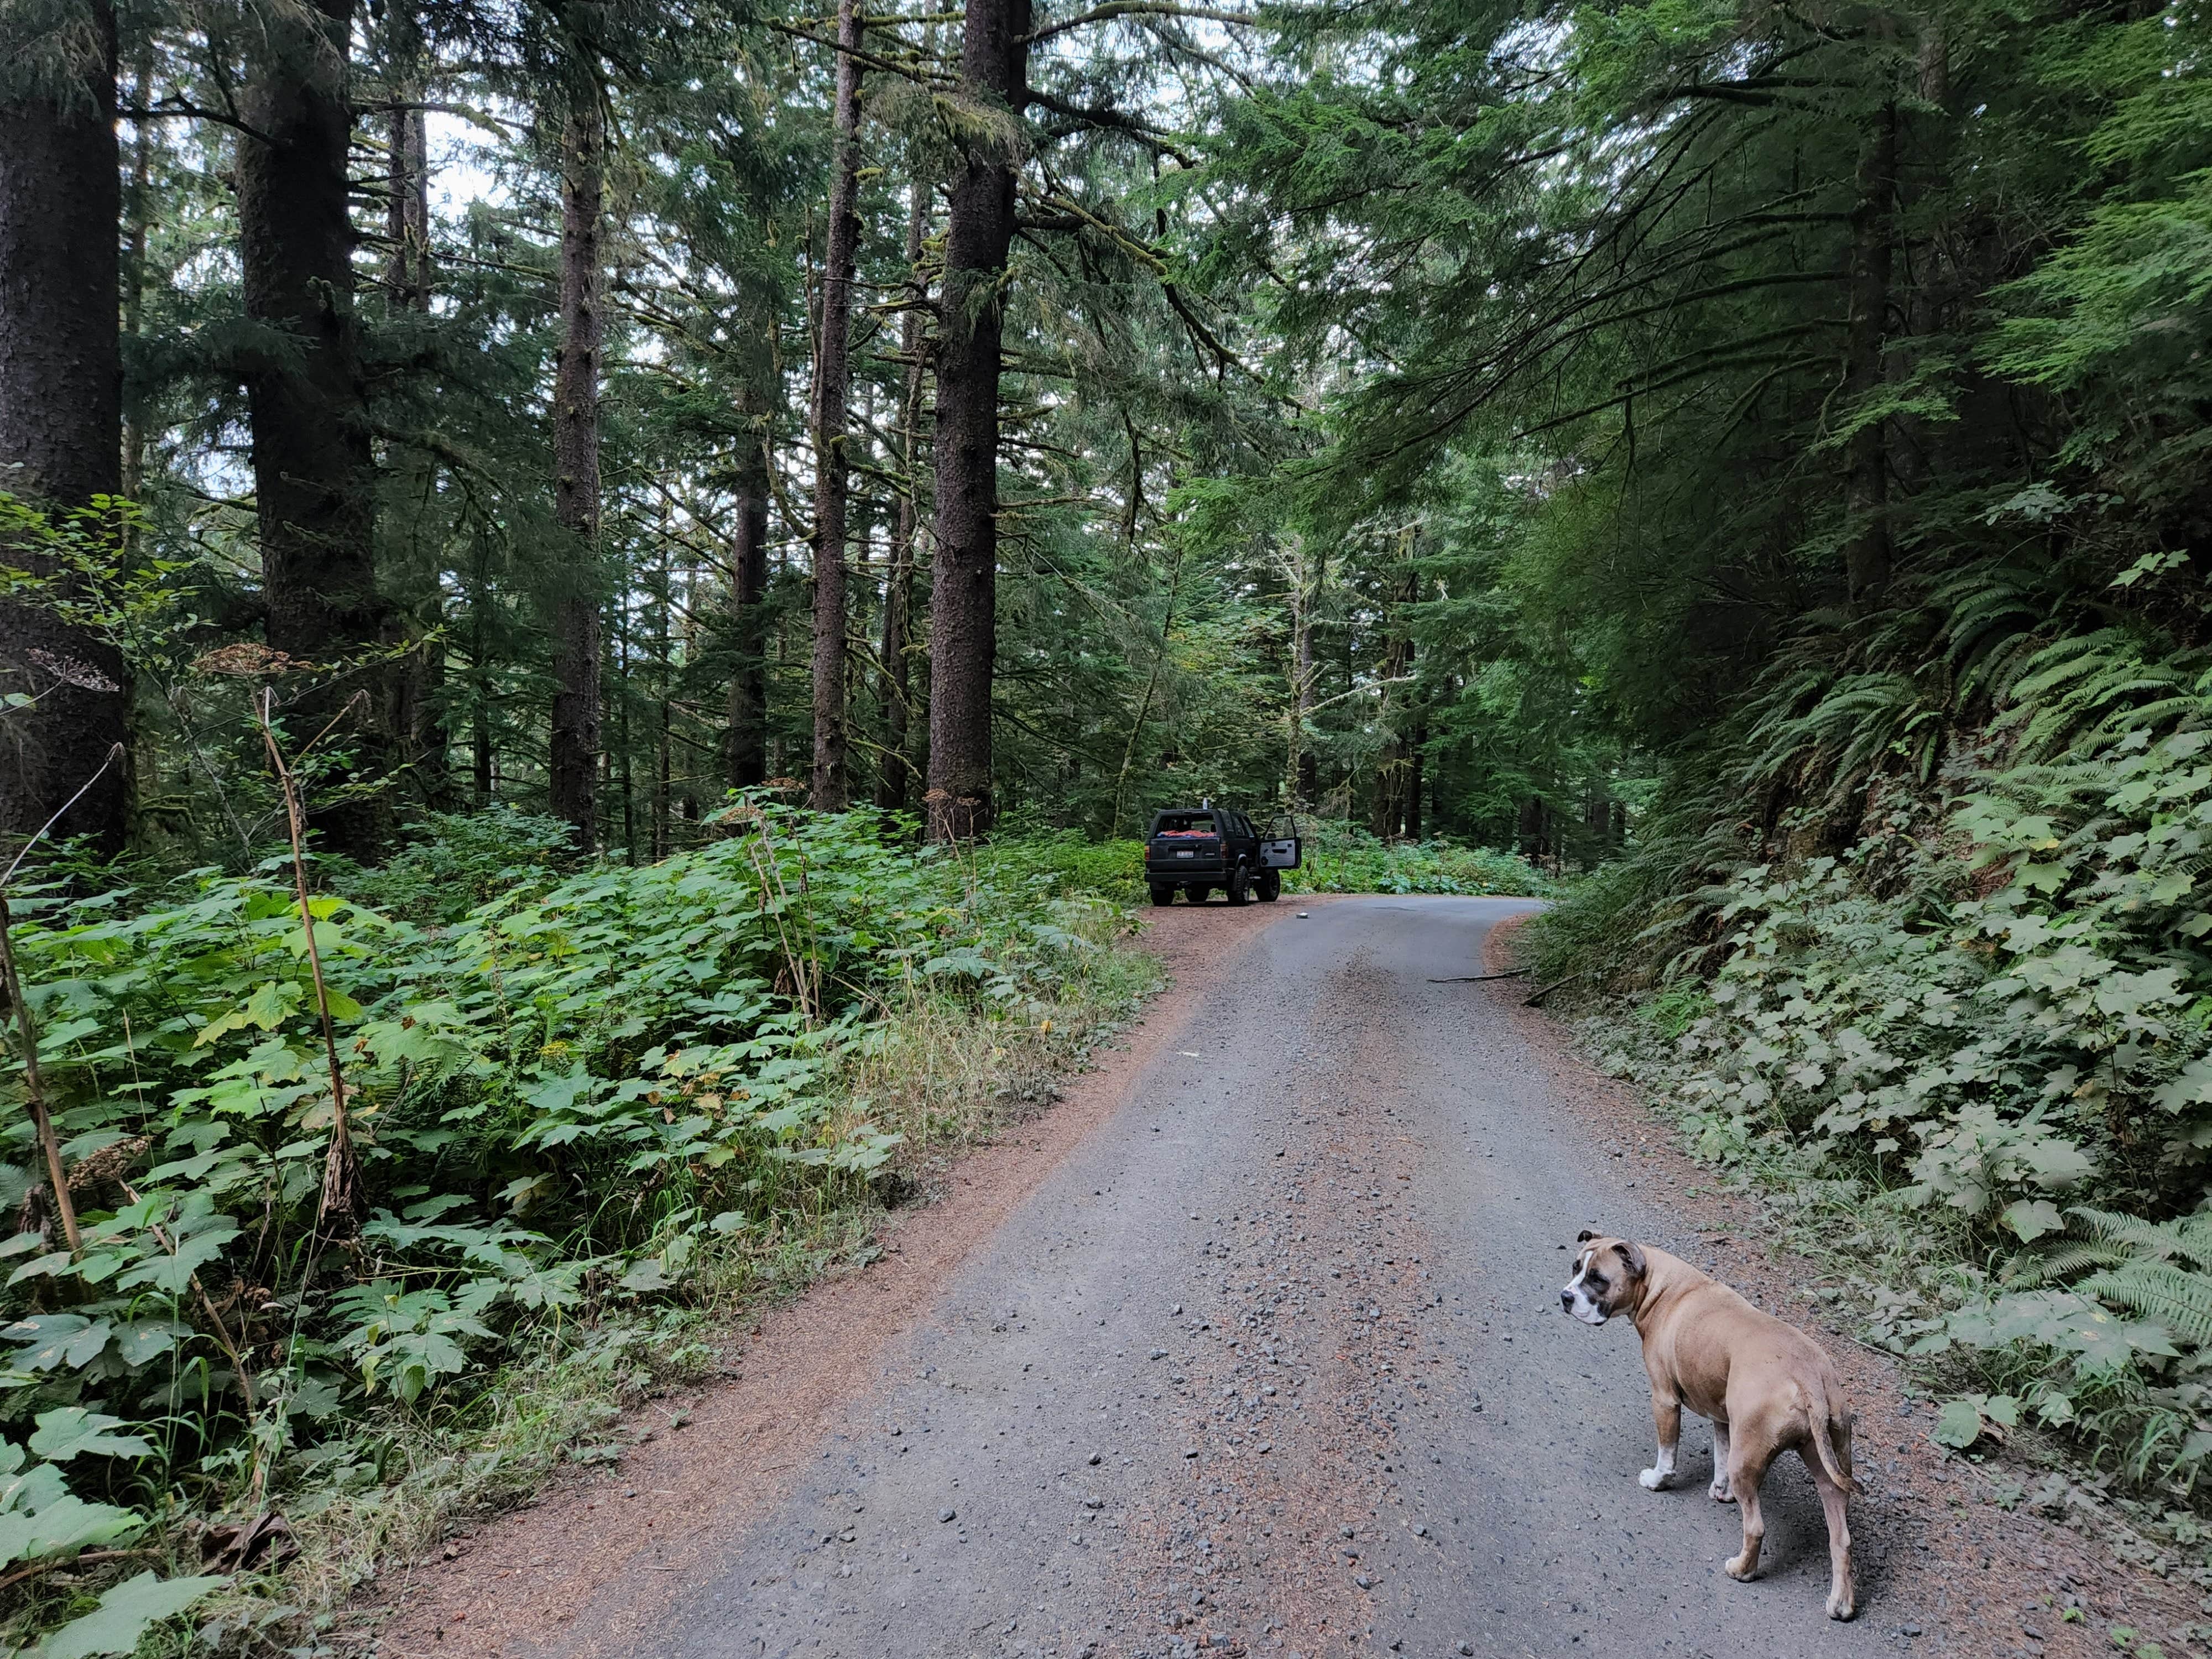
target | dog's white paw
[
  {"x": 1840, "y": 1608},
  {"x": 1721, "y": 1494},
  {"x": 1653, "y": 1480}
]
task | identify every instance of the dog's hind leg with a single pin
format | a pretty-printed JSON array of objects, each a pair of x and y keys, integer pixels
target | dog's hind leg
[
  {"x": 1843, "y": 1592},
  {"x": 1749, "y": 1456},
  {"x": 1720, "y": 1489},
  {"x": 1667, "y": 1419}
]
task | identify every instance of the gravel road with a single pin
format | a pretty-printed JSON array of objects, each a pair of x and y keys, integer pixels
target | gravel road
[{"x": 1271, "y": 1361}]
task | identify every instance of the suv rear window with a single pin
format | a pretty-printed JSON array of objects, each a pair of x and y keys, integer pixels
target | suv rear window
[{"x": 1184, "y": 823}]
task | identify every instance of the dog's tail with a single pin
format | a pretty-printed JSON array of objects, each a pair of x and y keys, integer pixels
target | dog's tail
[{"x": 1830, "y": 1429}]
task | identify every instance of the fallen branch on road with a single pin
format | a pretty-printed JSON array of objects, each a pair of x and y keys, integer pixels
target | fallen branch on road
[{"x": 1537, "y": 996}]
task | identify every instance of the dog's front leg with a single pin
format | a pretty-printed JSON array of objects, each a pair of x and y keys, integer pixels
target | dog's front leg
[
  {"x": 1720, "y": 1489},
  {"x": 1667, "y": 1419}
]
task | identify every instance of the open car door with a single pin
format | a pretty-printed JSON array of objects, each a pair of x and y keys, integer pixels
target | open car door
[{"x": 1283, "y": 848}]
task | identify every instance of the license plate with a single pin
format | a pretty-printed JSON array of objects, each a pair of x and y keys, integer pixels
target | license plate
[{"x": 1185, "y": 852}]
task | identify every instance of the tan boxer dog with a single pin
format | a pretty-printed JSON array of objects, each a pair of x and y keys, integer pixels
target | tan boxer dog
[{"x": 1765, "y": 1388}]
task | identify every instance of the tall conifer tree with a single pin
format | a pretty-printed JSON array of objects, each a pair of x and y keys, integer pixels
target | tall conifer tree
[
  {"x": 576, "y": 742},
  {"x": 61, "y": 418},
  {"x": 832, "y": 390},
  {"x": 971, "y": 323}
]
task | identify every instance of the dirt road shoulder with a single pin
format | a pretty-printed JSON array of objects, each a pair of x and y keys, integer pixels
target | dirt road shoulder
[
  {"x": 2025, "y": 1584},
  {"x": 513, "y": 1585}
]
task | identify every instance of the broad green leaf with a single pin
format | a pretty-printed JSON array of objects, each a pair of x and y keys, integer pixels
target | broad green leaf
[
  {"x": 173, "y": 1273},
  {"x": 646, "y": 1275},
  {"x": 63, "y": 1527},
  {"x": 2031, "y": 1219},
  {"x": 125, "y": 1614},
  {"x": 1958, "y": 1426},
  {"x": 43, "y": 1339},
  {"x": 38, "y": 1487},
  {"x": 142, "y": 1341},
  {"x": 44, "y": 1266},
  {"x": 70, "y": 1431},
  {"x": 316, "y": 1397}
]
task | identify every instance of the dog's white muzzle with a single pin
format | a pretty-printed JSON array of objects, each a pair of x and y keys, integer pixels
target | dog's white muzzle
[{"x": 1576, "y": 1298}]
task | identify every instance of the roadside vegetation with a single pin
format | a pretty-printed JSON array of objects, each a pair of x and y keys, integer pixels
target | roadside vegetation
[
  {"x": 582, "y": 1109},
  {"x": 1968, "y": 1045}
]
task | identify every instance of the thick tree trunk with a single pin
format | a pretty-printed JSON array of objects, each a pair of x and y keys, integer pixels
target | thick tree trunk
[
  {"x": 417, "y": 721},
  {"x": 618, "y": 717},
  {"x": 832, "y": 392},
  {"x": 1866, "y": 457},
  {"x": 313, "y": 474},
  {"x": 963, "y": 600},
  {"x": 576, "y": 730},
  {"x": 61, "y": 436},
  {"x": 747, "y": 738},
  {"x": 894, "y": 781}
]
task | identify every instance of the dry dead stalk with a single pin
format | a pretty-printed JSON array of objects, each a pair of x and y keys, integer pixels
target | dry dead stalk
[
  {"x": 27, "y": 1025},
  {"x": 341, "y": 1189},
  {"x": 27, "y": 1029}
]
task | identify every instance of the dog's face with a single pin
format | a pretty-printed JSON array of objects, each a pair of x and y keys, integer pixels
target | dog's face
[{"x": 1608, "y": 1274}]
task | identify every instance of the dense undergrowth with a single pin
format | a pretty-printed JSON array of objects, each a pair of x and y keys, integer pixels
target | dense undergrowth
[
  {"x": 1968, "y": 1041},
  {"x": 1340, "y": 858},
  {"x": 589, "y": 1108}
]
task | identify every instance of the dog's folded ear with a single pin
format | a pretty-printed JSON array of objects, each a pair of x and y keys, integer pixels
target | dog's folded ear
[
  {"x": 1633, "y": 1256},
  {"x": 1584, "y": 1237}
]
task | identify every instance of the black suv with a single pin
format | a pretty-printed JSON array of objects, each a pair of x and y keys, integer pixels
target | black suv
[{"x": 1199, "y": 848}]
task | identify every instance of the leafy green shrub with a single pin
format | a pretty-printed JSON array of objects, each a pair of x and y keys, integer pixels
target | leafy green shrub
[
  {"x": 579, "y": 1095},
  {"x": 1595, "y": 929},
  {"x": 1341, "y": 857},
  {"x": 1992, "y": 1019},
  {"x": 458, "y": 861},
  {"x": 1067, "y": 863}
]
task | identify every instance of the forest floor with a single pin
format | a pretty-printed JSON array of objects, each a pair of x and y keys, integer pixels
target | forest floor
[{"x": 1251, "y": 1345}]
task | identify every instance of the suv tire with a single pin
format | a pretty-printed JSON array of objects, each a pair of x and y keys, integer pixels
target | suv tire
[
  {"x": 1240, "y": 883},
  {"x": 1270, "y": 886},
  {"x": 1162, "y": 893}
]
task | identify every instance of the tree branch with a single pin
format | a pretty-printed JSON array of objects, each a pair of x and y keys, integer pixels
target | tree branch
[{"x": 1137, "y": 8}]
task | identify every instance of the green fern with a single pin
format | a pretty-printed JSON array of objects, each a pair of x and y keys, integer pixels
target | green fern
[
  {"x": 2189, "y": 1238},
  {"x": 2177, "y": 1297},
  {"x": 2155, "y": 1270},
  {"x": 2077, "y": 695},
  {"x": 2064, "y": 1262}
]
